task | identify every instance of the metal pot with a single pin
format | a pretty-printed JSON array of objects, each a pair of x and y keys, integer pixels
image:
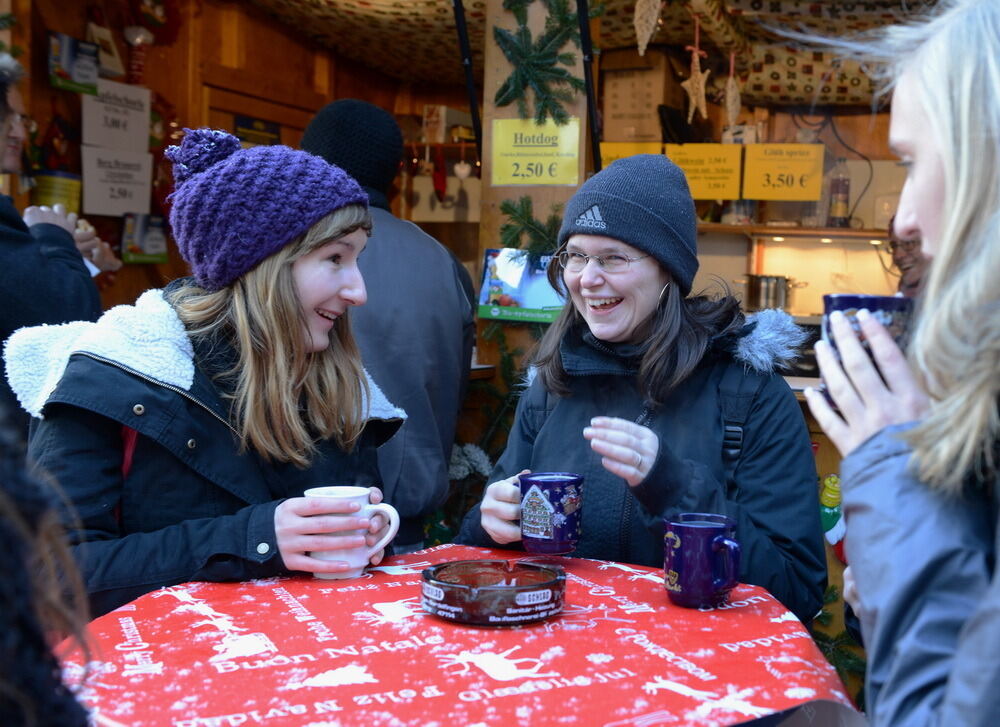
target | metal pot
[{"x": 768, "y": 291}]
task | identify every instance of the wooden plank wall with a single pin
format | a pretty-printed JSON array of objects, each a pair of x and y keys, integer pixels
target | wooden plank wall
[{"x": 229, "y": 57}]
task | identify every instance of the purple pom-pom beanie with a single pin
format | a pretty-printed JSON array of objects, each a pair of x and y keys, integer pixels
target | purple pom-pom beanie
[{"x": 233, "y": 207}]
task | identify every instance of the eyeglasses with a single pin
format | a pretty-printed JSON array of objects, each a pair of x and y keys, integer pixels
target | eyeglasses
[
  {"x": 575, "y": 262},
  {"x": 905, "y": 245}
]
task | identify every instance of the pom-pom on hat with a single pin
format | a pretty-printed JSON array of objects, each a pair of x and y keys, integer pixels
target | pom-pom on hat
[
  {"x": 644, "y": 201},
  {"x": 233, "y": 207}
]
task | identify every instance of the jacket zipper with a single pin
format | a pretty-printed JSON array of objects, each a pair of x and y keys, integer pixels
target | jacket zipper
[{"x": 151, "y": 380}]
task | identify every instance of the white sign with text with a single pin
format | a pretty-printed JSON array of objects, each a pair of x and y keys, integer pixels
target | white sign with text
[
  {"x": 116, "y": 182},
  {"x": 117, "y": 117}
]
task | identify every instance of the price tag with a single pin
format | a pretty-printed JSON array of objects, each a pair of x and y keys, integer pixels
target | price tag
[
  {"x": 526, "y": 153},
  {"x": 115, "y": 181},
  {"x": 789, "y": 172},
  {"x": 712, "y": 170},
  {"x": 613, "y": 150},
  {"x": 117, "y": 117}
]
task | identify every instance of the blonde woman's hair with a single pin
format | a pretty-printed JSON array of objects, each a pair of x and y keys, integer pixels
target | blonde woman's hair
[
  {"x": 952, "y": 57},
  {"x": 284, "y": 398}
]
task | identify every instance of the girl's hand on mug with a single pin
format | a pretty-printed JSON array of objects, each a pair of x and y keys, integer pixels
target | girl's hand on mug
[
  {"x": 500, "y": 510},
  {"x": 300, "y": 527},
  {"x": 867, "y": 405},
  {"x": 627, "y": 449},
  {"x": 377, "y": 527}
]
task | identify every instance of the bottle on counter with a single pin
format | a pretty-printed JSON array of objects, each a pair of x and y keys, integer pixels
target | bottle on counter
[
  {"x": 840, "y": 194},
  {"x": 831, "y": 516}
]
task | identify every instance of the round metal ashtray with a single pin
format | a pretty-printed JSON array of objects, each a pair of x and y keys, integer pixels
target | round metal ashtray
[{"x": 493, "y": 592}]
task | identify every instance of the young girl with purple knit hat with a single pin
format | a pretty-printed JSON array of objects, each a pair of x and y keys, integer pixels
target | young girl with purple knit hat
[{"x": 186, "y": 427}]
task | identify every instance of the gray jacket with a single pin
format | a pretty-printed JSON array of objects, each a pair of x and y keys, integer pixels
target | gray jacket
[
  {"x": 925, "y": 567},
  {"x": 415, "y": 333}
]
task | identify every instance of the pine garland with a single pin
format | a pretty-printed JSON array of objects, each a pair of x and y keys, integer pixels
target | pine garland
[
  {"x": 536, "y": 61},
  {"x": 521, "y": 222}
]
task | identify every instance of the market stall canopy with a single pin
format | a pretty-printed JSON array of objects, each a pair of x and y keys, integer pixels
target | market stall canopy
[{"x": 416, "y": 40}]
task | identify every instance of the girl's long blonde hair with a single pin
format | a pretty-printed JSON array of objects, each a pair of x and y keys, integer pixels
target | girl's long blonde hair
[
  {"x": 284, "y": 398},
  {"x": 953, "y": 57}
]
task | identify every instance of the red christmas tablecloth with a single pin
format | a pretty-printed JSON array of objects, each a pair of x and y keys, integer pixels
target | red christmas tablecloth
[{"x": 313, "y": 653}]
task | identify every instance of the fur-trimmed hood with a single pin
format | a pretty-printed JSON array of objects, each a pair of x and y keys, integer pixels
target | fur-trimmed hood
[
  {"x": 147, "y": 338},
  {"x": 771, "y": 343}
]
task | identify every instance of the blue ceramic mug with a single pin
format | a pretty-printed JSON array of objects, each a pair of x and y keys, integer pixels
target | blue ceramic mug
[
  {"x": 892, "y": 311},
  {"x": 551, "y": 512},
  {"x": 701, "y": 559}
]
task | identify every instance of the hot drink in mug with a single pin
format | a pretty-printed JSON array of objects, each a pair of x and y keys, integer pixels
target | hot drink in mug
[{"x": 356, "y": 557}]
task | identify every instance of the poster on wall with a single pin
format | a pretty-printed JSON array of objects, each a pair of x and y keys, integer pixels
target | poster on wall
[
  {"x": 115, "y": 181},
  {"x": 255, "y": 132},
  {"x": 143, "y": 239},
  {"x": 117, "y": 117},
  {"x": 516, "y": 288},
  {"x": 72, "y": 64}
]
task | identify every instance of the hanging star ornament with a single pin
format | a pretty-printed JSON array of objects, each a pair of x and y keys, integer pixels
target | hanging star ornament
[
  {"x": 733, "y": 103},
  {"x": 645, "y": 20},
  {"x": 695, "y": 85}
]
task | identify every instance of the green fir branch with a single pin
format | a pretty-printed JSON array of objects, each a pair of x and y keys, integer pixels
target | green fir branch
[
  {"x": 521, "y": 223},
  {"x": 535, "y": 61}
]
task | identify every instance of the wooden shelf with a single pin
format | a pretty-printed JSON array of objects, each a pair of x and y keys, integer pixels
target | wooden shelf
[{"x": 769, "y": 231}]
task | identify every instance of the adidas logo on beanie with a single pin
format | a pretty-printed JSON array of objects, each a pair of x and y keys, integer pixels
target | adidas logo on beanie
[{"x": 592, "y": 218}]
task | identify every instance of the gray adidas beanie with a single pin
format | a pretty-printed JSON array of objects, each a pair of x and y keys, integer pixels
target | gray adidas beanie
[{"x": 644, "y": 201}]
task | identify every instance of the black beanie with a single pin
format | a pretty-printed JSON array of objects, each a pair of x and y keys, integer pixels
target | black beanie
[
  {"x": 362, "y": 139},
  {"x": 643, "y": 201}
]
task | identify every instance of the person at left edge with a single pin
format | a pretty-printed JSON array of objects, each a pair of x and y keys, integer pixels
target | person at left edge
[
  {"x": 185, "y": 428},
  {"x": 44, "y": 278}
]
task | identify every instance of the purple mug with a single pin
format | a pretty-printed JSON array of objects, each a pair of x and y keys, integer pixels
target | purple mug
[
  {"x": 701, "y": 559},
  {"x": 551, "y": 512},
  {"x": 892, "y": 311}
]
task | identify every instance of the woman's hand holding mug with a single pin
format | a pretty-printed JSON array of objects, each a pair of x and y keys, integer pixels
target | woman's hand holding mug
[
  {"x": 333, "y": 532},
  {"x": 866, "y": 402},
  {"x": 500, "y": 510}
]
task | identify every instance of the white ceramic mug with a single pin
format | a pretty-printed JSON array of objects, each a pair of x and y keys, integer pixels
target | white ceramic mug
[{"x": 356, "y": 557}]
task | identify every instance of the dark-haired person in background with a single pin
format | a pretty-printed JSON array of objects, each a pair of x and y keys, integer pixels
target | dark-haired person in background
[
  {"x": 416, "y": 331},
  {"x": 909, "y": 260},
  {"x": 45, "y": 279}
]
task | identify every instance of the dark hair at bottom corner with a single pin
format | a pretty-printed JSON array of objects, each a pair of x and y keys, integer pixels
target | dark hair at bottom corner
[
  {"x": 682, "y": 331},
  {"x": 33, "y": 604}
]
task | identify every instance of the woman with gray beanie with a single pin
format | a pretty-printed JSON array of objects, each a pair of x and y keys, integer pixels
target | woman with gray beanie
[
  {"x": 186, "y": 427},
  {"x": 664, "y": 402}
]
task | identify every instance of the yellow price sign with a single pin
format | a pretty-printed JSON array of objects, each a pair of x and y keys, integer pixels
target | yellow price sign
[
  {"x": 526, "y": 153},
  {"x": 614, "y": 150},
  {"x": 787, "y": 172},
  {"x": 712, "y": 170}
]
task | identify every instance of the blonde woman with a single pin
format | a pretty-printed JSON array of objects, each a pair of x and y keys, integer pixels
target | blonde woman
[
  {"x": 920, "y": 452},
  {"x": 186, "y": 427}
]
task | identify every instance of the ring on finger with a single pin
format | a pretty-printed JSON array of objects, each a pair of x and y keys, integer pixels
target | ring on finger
[{"x": 638, "y": 461}]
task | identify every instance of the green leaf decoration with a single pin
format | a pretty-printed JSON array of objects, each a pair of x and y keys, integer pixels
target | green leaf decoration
[
  {"x": 521, "y": 224},
  {"x": 536, "y": 61}
]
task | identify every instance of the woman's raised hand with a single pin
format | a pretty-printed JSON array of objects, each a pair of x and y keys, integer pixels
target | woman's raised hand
[
  {"x": 627, "y": 449},
  {"x": 306, "y": 524},
  {"x": 500, "y": 510},
  {"x": 867, "y": 404}
]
